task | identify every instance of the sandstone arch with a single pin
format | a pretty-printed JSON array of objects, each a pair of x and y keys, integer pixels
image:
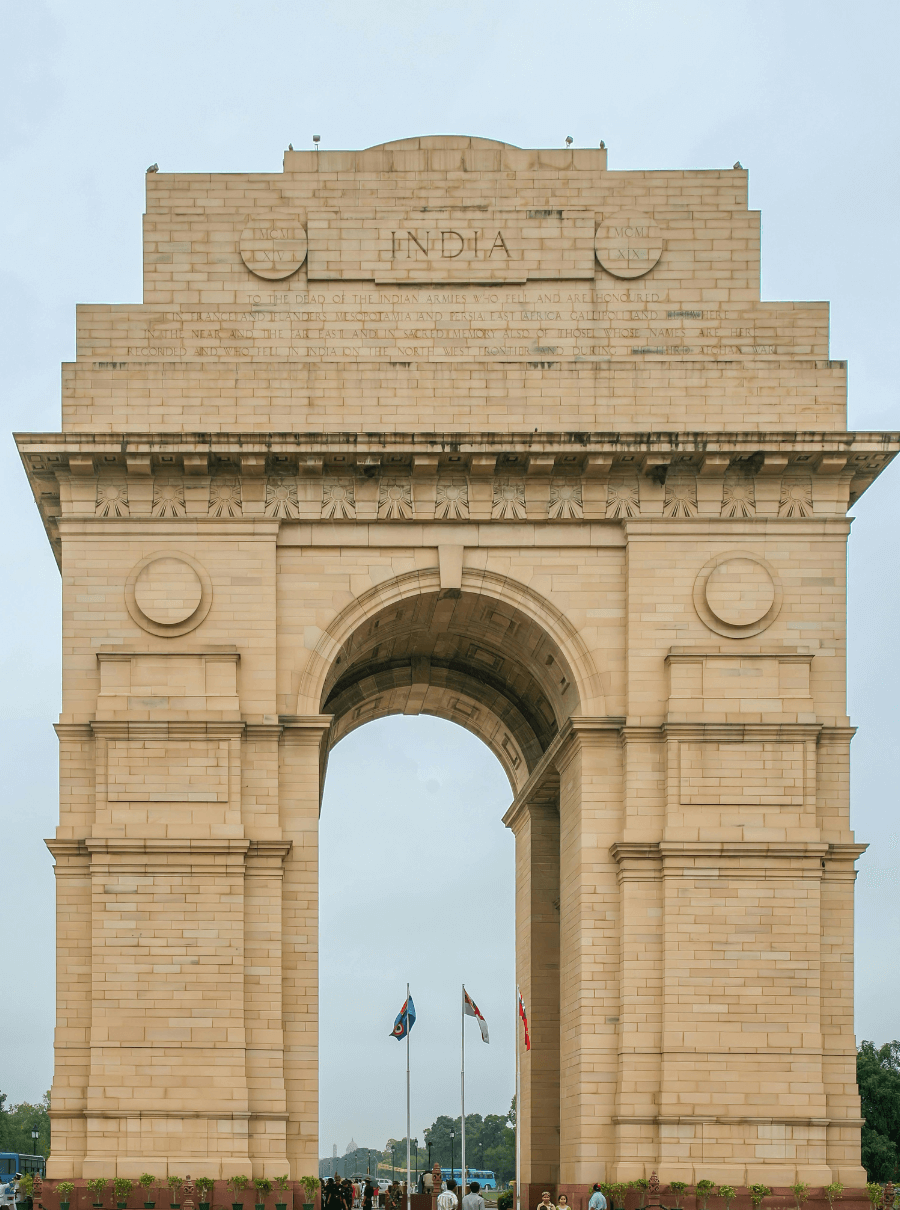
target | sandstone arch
[{"x": 516, "y": 467}]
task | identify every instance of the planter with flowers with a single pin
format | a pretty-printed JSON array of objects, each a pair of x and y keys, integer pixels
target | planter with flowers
[
  {"x": 238, "y": 1185},
  {"x": 122, "y": 1188},
  {"x": 310, "y": 1188},
  {"x": 97, "y": 1184},
  {"x": 282, "y": 1185},
  {"x": 146, "y": 1181},
  {"x": 205, "y": 1185}
]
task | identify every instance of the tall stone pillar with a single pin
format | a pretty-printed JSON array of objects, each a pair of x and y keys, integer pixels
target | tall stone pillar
[
  {"x": 299, "y": 781},
  {"x": 590, "y": 812},
  {"x": 535, "y": 823}
]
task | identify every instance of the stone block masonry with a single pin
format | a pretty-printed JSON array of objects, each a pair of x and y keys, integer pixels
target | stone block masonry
[{"x": 508, "y": 437}]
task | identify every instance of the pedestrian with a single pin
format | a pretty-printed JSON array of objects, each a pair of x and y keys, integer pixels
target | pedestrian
[
  {"x": 598, "y": 1201},
  {"x": 448, "y": 1199},
  {"x": 368, "y": 1194},
  {"x": 347, "y": 1194},
  {"x": 473, "y": 1199},
  {"x": 563, "y": 1203},
  {"x": 545, "y": 1203}
]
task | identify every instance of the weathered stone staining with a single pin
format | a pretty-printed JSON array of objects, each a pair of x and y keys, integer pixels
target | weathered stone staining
[{"x": 452, "y": 427}]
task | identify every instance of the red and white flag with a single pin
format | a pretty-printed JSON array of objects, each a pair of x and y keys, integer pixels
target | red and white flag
[
  {"x": 471, "y": 1009},
  {"x": 524, "y": 1016}
]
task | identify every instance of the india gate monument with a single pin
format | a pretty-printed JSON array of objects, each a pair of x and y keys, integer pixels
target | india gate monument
[{"x": 451, "y": 427}]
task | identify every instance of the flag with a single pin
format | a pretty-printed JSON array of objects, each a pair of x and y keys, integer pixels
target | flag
[
  {"x": 471, "y": 1009},
  {"x": 406, "y": 1019},
  {"x": 524, "y": 1016}
]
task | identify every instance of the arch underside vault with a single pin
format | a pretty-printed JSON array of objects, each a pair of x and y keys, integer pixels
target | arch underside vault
[{"x": 466, "y": 657}]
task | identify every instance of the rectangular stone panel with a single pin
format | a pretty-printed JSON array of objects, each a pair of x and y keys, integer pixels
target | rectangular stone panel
[
  {"x": 167, "y": 770},
  {"x": 742, "y": 774},
  {"x": 461, "y": 245}
]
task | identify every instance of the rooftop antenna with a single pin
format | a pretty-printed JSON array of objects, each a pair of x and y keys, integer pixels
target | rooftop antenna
[
  {"x": 569, "y": 140},
  {"x": 317, "y": 139}
]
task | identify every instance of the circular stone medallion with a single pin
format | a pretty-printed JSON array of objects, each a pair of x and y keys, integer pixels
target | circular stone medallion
[
  {"x": 737, "y": 594},
  {"x": 168, "y": 591},
  {"x": 273, "y": 247},
  {"x": 740, "y": 592},
  {"x": 628, "y": 245},
  {"x": 168, "y": 594}
]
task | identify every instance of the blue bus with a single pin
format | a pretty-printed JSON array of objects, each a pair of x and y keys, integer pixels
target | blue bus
[
  {"x": 12, "y": 1162},
  {"x": 486, "y": 1179}
]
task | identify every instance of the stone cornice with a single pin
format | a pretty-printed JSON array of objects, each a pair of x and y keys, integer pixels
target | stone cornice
[
  {"x": 156, "y": 845},
  {"x": 304, "y": 728},
  {"x": 784, "y": 655},
  {"x": 735, "y": 733},
  {"x": 264, "y": 856},
  {"x": 183, "y": 729},
  {"x": 233, "y": 444},
  {"x": 640, "y": 860},
  {"x": 227, "y": 653}
]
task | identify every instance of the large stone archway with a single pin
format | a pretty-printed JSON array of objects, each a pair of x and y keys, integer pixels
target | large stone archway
[{"x": 453, "y": 427}]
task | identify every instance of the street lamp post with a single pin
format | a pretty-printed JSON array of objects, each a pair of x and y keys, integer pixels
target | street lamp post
[
  {"x": 392, "y": 1162},
  {"x": 35, "y": 1134},
  {"x": 452, "y": 1154},
  {"x": 415, "y": 1143}
]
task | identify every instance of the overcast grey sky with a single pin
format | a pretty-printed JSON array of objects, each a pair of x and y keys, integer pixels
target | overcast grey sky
[{"x": 803, "y": 92}]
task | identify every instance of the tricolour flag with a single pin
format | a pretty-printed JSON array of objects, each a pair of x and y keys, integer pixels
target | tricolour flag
[
  {"x": 406, "y": 1019},
  {"x": 471, "y": 1009},
  {"x": 524, "y": 1016}
]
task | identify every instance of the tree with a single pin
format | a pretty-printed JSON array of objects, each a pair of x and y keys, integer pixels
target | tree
[
  {"x": 490, "y": 1143},
  {"x": 17, "y": 1123},
  {"x": 878, "y": 1076}
]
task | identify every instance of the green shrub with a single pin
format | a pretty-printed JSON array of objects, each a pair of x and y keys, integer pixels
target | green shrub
[
  {"x": 146, "y": 1179},
  {"x": 642, "y": 1185},
  {"x": 728, "y": 1192},
  {"x": 65, "y": 1189},
  {"x": 239, "y": 1183},
  {"x": 122, "y": 1187},
  {"x": 702, "y": 1191},
  {"x": 505, "y": 1200},
  {"x": 263, "y": 1185},
  {"x": 757, "y": 1193},
  {"x": 800, "y": 1192}
]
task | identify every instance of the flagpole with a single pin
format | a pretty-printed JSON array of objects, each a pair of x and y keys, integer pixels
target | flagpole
[
  {"x": 408, "y": 1032},
  {"x": 462, "y": 1094},
  {"x": 518, "y": 1113}
]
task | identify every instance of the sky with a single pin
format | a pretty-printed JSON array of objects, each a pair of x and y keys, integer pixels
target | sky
[{"x": 804, "y": 93}]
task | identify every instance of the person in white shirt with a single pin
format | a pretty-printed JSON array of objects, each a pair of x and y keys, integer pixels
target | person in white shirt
[
  {"x": 598, "y": 1201},
  {"x": 448, "y": 1199},
  {"x": 473, "y": 1199}
]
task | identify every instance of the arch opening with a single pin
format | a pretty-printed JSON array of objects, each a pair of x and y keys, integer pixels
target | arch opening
[
  {"x": 463, "y": 656},
  {"x": 417, "y": 884}
]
